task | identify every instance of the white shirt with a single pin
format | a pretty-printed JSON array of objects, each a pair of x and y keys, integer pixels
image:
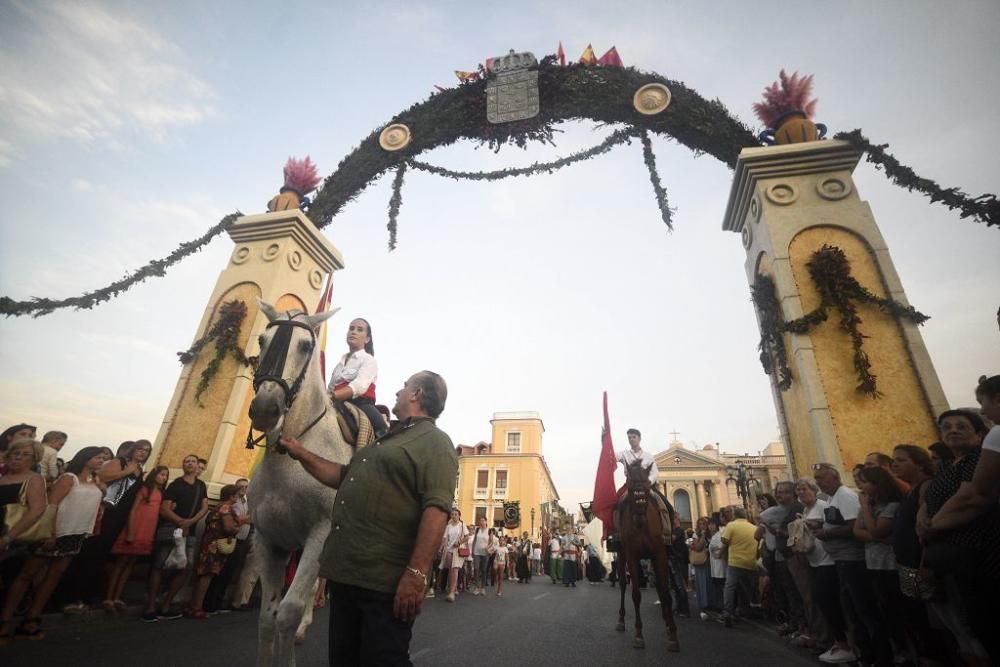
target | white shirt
[
  {"x": 241, "y": 508},
  {"x": 358, "y": 369},
  {"x": 818, "y": 556},
  {"x": 716, "y": 561},
  {"x": 992, "y": 440},
  {"x": 554, "y": 547},
  {"x": 77, "y": 511},
  {"x": 481, "y": 537},
  {"x": 628, "y": 456},
  {"x": 50, "y": 464}
]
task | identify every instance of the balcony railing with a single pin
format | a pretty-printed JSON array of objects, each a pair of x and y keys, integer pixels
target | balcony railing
[
  {"x": 500, "y": 493},
  {"x": 481, "y": 493}
]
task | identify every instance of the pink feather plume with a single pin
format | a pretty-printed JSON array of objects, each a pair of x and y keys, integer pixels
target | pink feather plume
[
  {"x": 301, "y": 175},
  {"x": 790, "y": 93}
]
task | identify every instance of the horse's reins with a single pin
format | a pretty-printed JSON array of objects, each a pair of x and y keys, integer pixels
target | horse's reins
[{"x": 271, "y": 369}]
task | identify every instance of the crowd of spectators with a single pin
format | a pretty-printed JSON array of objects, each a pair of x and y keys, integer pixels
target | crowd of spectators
[
  {"x": 72, "y": 534},
  {"x": 902, "y": 568}
]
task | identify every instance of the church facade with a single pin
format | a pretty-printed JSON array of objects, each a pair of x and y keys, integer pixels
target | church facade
[{"x": 700, "y": 482}]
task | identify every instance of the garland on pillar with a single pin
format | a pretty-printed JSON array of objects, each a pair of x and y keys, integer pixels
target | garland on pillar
[
  {"x": 225, "y": 333},
  {"x": 984, "y": 208},
  {"x": 830, "y": 271}
]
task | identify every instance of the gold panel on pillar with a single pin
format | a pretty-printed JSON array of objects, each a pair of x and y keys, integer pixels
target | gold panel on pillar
[
  {"x": 241, "y": 460},
  {"x": 861, "y": 424},
  {"x": 194, "y": 426}
]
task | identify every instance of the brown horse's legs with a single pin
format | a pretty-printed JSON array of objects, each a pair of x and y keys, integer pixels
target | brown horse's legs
[
  {"x": 633, "y": 569},
  {"x": 661, "y": 564},
  {"x": 620, "y": 566}
]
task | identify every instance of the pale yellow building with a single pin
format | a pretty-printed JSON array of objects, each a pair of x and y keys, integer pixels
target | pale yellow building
[{"x": 509, "y": 468}]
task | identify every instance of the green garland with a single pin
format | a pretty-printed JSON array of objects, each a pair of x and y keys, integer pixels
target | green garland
[
  {"x": 394, "y": 203},
  {"x": 984, "y": 208},
  {"x": 225, "y": 333},
  {"x": 566, "y": 93},
  {"x": 838, "y": 289},
  {"x": 36, "y": 307},
  {"x": 654, "y": 177}
]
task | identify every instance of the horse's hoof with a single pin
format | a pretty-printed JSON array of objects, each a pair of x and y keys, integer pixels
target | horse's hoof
[
  {"x": 674, "y": 646},
  {"x": 639, "y": 642},
  {"x": 620, "y": 627}
]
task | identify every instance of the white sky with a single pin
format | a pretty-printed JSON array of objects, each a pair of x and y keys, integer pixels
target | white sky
[{"x": 127, "y": 129}]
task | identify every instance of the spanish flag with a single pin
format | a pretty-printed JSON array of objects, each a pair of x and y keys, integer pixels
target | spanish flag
[
  {"x": 588, "y": 57},
  {"x": 466, "y": 76}
]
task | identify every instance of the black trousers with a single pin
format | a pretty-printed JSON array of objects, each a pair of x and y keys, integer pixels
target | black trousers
[
  {"x": 215, "y": 596},
  {"x": 363, "y": 631}
]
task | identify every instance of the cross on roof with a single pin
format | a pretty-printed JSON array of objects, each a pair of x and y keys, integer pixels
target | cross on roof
[{"x": 675, "y": 434}]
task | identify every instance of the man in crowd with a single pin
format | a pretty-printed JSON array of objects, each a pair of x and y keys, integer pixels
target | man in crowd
[
  {"x": 740, "y": 547},
  {"x": 848, "y": 554},
  {"x": 774, "y": 529},
  {"x": 635, "y": 453},
  {"x": 679, "y": 569},
  {"x": 185, "y": 503},
  {"x": 555, "y": 557},
  {"x": 202, "y": 466},
  {"x": 378, "y": 586},
  {"x": 884, "y": 461},
  {"x": 52, "y": 442}
]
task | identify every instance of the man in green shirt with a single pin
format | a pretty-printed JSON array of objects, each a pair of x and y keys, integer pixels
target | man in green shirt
[{"x": 389, "y": 514}]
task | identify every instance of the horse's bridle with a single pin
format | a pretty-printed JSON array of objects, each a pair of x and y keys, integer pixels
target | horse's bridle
[{"x": 272, "y": 365}]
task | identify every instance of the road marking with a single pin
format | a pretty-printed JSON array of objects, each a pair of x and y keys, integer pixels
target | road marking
[{"x": 539, "y": 597}]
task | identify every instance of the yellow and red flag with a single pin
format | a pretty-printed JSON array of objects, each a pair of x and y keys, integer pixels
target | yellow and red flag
[
  {"x": 611, "y": 59},
  {"x": 466, "y": 76},
  {"x": 588, "y": 57}
]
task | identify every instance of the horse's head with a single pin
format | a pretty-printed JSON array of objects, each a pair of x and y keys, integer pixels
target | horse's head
[
  {"x": 287, "y": 347},
  {"x": 637, "y": 478}
]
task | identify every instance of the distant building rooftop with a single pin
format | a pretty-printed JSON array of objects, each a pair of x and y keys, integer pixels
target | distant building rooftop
[{"x": 518, "y": 415}]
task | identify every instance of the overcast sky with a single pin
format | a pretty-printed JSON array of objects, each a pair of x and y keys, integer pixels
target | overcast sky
[{"x": 128, "y": 128}]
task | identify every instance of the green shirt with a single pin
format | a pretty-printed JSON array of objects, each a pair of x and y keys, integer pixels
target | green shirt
[{"x": 382, "y": 494}]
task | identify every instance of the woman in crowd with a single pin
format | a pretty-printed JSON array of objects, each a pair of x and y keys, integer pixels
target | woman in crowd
[
  {"x": 959, "y": 558},
  {"x": 480, "y": 542},
  {"x": 22, "y": 501},
  {"x": 12, "y": 433},
  {"x": 522, "y": 567},
  {"x": 137, "y": 538},
  {"x": 76, "y": 499},
  {"x": 121, "y": 475},
  {"x": 913, "y": 465},
  {"x": 941, "y": 456},
  {"x": 717, "y": 565},
  {"x": 456, "y": 536},
  {"x": 699, "y": 559},
  {"x": 879, "y": 500},
  {"x": 217, "y": 544},
  {"x": 823, "y": 574},
  {"x": 354, "y": 376}
]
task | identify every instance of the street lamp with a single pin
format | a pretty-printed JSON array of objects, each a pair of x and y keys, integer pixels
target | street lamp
[
  {"x": 532, "y": 521},
  {"x": 743, "y": 477}
]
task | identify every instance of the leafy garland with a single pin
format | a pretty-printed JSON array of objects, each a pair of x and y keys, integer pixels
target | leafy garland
[
  {"x": 36, "y": 307},
  {"x": 572, "y": 92},
  {"x": 830, "y": 270},
  {"x": 225, "y": 333},
  {"x": 984, "y": 208},
  {"x": 654, "y": 177}
]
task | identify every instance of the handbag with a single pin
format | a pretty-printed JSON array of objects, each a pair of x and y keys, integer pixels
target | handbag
[
  {"x": 43, "y": 529},
  {"x": 224, "y": 545},
  {"x": 118, "y": 489},
  {"x": 915, "y": 583},
  {"x": 698, "y": 557},
  {"x": 463, "y": 552}
]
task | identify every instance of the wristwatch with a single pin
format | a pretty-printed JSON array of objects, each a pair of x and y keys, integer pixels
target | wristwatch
[{"x": 415, "y": 572}]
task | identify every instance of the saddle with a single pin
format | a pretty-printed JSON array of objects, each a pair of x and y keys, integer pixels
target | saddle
[{"x": 354, "y": 424}]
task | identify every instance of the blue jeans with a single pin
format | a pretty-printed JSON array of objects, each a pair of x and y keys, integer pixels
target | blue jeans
[
  {"x": 737, "y": 577},
  {"x": 481, "y": 569}
]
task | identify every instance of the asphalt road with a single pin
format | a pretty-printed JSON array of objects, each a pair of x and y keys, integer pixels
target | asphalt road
[{"x": 532, "y": 624}]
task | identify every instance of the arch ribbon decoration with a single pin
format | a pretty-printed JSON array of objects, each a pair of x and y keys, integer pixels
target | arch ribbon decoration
[{"x": 565, "y": 93}]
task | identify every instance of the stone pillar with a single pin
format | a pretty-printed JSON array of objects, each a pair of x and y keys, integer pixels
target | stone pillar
[
  {"x": 699, "y": 499},
  {"x": 787, "y": 202},
  {"x": 717, "y": 495},
  {"x": 283, "y": 259}
]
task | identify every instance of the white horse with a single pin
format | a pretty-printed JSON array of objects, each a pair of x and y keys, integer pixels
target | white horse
[{"x": 290, "y": 509}]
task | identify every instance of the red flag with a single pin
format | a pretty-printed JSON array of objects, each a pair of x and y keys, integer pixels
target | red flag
[
  {"x": 611, "y": 58},
  {"x": 604, "y": 484},
  {"x": 561, "y": 55}
]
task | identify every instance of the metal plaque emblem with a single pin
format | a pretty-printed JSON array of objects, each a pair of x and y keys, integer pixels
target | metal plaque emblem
[{"x": 512, "y": 93}]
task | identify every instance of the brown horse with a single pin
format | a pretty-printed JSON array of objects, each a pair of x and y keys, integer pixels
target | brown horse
[{"x": 640, "y": 532}]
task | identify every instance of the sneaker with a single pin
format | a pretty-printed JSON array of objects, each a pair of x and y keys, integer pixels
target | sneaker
[
  {"x": 499, "y": 594},
  {"x": 197, "y": 614},
  {"x": 803, "y": 640},
  {"x": 429, "y": 594},
  {"x": 837, "y": 655},
  {"x": 75, "y": 608},
  {"x": 169, "y": 615},
  {"x": 150, "y": 617},
  {"x": 450, "y": 597}
]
